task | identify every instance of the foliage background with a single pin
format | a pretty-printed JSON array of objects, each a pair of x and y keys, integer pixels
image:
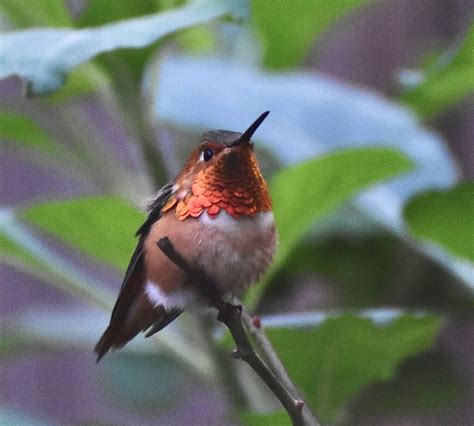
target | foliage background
[{"x": 369, "y": 153}]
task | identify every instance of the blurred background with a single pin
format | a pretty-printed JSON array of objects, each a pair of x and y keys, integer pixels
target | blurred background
[{"x": 369, "y": 153}]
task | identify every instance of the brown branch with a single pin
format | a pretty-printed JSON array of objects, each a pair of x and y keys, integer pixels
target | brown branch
[
  {"x": 231, "y": 316},
  {"x": 254, "y": 327}
]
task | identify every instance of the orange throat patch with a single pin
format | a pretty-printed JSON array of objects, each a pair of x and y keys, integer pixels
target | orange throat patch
[{"x": 239, "y": 190}]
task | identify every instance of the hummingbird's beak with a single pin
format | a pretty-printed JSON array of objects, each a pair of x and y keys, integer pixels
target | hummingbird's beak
[{"x": 247, "y": 135}]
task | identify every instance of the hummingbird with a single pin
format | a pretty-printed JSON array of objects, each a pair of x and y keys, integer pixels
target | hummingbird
[{"x": 217, "y": 212}]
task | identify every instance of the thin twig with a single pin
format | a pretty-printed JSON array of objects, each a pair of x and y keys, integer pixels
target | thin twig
[
  {"x": 256, "y": 329},
  {"x": 231, "y": 316}
]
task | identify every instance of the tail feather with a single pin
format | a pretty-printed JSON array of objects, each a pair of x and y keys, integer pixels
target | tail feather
[
  {"x": 122, "y": 330},
  {"x": 163, "y": 321}
]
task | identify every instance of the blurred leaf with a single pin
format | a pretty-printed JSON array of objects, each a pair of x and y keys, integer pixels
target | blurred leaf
[
  {"x": 25, "y": 49},
  {"x": 100, "y": 12},
  {"x": 334, "y": 362},
  {"x": 288, "y": 28},
  {"x": 305, "y": 193},
  {"x": 279, "y": 418},
  {"x": 28, "y": 13},
  {"x": 130, "y": 62},
  {"x": 19, "y": 128},
  {"x": 449, "y": 81},
  {"x": 424, "y": 383},
  {"x": 445, "y": 218},
  {"x": 101, "y": 227},
  {"x": 357, "y": 266},
  {"x": 198, "y": 39},
  {"x": 82, "y": 80},
  {"x": 310, "y": 115}
]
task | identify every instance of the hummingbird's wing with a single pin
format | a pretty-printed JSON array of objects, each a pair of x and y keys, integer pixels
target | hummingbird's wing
[{"x": 133, "y": 312}]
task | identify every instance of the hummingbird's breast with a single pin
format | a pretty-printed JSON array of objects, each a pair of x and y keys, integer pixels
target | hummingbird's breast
[{"x": 234, "y": 252}]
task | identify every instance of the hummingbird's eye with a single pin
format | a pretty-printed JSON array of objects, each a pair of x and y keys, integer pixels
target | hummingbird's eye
[{"x": 207, "y": 154}]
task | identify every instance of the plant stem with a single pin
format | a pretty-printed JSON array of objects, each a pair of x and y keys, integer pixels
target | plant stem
[
  {"x": 275, "y": 364},
  {"x": 231, "y": 316}
]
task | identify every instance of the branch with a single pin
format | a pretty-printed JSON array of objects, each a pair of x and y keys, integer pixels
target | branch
[
  {"x": 231, "y": 316},
  {"x": 254, "y": 327}
]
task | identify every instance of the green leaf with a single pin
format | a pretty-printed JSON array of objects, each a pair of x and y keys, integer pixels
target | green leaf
[
  {"x": 288, "y": 28},
  {"x": 100, "y": 12},
  {"x": 445, "y": 218},
  {"x": 335, "y": 361},
  {"x": 82, "y": 80},
  {"x": 28, "y": 13},
  {"x": 448, "y": 82},
  {"x": 23, "y": 51},
  {"x": 18, "y": 128},
  {"x": 101, "y": 227},
  {"x": 198, "y": 39},
  {"x": 278, "y": 418},
  {"x": 356, "y": 266},
  {"x": 308, "y": 192},
  {"x": 427, "y": 384}
]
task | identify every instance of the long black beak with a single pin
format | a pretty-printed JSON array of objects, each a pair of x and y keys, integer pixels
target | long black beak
[{"x": 247, "y": 135}]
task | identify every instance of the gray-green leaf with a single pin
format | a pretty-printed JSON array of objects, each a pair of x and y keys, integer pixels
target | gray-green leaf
[{"x": 44, "y": 57}]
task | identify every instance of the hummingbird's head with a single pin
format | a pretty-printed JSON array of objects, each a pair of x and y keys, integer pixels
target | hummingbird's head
[
  {"x": 223, "y": 150},
  {"x": 223, "y": 167}
]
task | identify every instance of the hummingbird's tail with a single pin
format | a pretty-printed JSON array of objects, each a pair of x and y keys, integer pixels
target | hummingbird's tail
[
  {"x": 118, "y": 334},
  {"x": 133, "y": 312},
  {"x": 123, "y": 328}
]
